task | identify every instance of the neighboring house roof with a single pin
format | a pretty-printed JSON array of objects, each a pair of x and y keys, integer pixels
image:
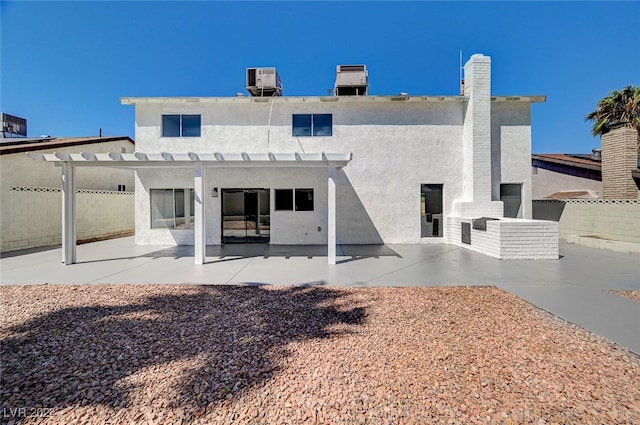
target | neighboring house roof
[
  {"x": 580, "y": 165},
  {"x": 576, "y": 160},
  {"x": 8, "y": 146}
]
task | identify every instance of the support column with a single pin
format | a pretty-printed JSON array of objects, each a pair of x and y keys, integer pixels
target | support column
[
  {"x": 199, "y": 213},
  {"x": 331, "y": 215},
  {"x": 68, "y": 213}
]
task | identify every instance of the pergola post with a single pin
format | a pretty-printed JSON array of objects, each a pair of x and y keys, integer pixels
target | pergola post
[
  {"x": 199, "y": 213},
  {"x": 68, "y": 213},
  {"x": 331, "y": 215}
]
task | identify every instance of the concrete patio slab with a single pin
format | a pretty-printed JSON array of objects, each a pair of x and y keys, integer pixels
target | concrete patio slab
[{"x": 575, "y": 287}]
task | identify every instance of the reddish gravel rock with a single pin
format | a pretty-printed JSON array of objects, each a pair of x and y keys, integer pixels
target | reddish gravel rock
[
  {"x": 160, "y": 354},
  {"x": 633, "y": 295}
]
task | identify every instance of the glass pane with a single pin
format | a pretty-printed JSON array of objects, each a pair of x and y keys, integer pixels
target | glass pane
[
  {"x": 171, "y": 126},
  {"x": 302, "y": 124},
  {"x": 264, "y": 222},
  {"x": 234, "y": 227},
  {"x": 191, "y": 126},
  {"x": 161, "y": 208},
  {"x": 304, "y": 199},
  {"x": 179, "y": 208},
  {"x": 322, "y": 124},
  {"x": 284, "y": 200}
]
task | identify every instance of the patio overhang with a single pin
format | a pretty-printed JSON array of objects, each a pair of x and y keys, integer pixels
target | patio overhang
[
  {"x": 199, "y": 163},
  {"x": 188, "y": 159}
]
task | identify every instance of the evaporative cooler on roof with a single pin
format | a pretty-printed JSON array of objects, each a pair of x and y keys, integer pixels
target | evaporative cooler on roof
[
  {"x": 263, "y": 82},
  {"x": 351, "y": 80}
]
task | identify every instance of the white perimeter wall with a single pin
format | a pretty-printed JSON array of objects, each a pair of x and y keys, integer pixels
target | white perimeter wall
[
  {"x": 31, "y": 216},
  {"x": 614, "y": 219},
  {"x": 397, "y": 146}
]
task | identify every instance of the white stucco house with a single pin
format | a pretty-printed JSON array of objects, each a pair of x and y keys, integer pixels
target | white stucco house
[{"x": 344, "y": 169}]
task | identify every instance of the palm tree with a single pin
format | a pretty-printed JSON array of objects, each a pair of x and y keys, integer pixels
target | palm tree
[{"x": 618, "y": 108}]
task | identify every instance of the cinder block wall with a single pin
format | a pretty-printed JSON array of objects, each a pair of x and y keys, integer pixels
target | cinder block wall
[
  {"x": 619, "y": 157},
  {"x": 617, "y": 220},
  {"x": 35, "y": 216}
]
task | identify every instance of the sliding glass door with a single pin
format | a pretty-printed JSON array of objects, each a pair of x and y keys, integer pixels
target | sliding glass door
[{"x": 245, "y": 215}]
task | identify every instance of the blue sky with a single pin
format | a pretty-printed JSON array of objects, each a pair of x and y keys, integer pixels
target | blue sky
[{"x": 65, "y": 65}]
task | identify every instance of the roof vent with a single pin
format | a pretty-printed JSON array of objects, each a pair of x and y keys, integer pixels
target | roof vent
[
  {"x": 263, "y": 82},
  {"x": 351, "y": 80}
]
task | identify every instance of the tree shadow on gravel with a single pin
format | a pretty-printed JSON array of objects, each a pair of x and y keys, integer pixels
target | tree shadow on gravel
[{"x": 201, "y": 345}]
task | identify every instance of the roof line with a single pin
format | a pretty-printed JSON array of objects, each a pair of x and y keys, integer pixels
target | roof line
[
  {"x": 61, "y": 142},
  {"x": 349, "y": 99}
]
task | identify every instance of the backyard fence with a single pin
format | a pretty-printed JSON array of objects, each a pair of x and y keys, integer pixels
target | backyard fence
[
  {"x": 613, "y": 219},
  {"x": 32, "y": 216}
]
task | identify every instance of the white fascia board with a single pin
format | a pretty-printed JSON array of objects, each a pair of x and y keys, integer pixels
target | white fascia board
[
  {"x": 185, "y": 160},
  {"x": 318, "y": 99},
  {"x": 283, "y": 99}
]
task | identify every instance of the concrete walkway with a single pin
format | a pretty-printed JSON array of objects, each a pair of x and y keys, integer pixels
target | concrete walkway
[{"x": 574, "y": 287}]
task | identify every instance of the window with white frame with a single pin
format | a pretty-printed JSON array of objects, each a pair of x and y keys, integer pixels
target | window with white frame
[
  {"x": 305, "y": 125},
  {"x": 181, "y": 125},
  {"x": 171, "y": 209}
]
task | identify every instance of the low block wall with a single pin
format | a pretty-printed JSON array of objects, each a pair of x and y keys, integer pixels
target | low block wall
[
  {"x": 613, "y": 219},
  {"x": 510, "y": 238},
  {"x": 32, "y": 216}
]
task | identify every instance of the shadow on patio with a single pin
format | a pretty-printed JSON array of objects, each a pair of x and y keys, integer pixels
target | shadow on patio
[{"x": 229, "y": 252}]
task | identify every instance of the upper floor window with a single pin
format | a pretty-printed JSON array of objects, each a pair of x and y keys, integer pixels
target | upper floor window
[
  {"x": 312, "y": 124},
  {"x": 181, "y": 126}
]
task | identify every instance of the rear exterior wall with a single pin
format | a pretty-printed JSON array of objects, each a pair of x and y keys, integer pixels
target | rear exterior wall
[{"x": 396, "y": 146}]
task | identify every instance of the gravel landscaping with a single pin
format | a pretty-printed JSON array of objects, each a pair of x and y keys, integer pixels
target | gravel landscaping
[
  {"x": 162, "y": 354},
  {"x": 633, "y": 295}
]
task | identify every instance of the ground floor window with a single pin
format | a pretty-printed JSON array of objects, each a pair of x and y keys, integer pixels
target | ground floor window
[
  {"x": 431, "y": 217},
  {"x": 171, "y": 209},
  {"x": 304, "y": 199},
  {"x": 284, "y": 200},
  {"x": 287, "y": 199}
]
